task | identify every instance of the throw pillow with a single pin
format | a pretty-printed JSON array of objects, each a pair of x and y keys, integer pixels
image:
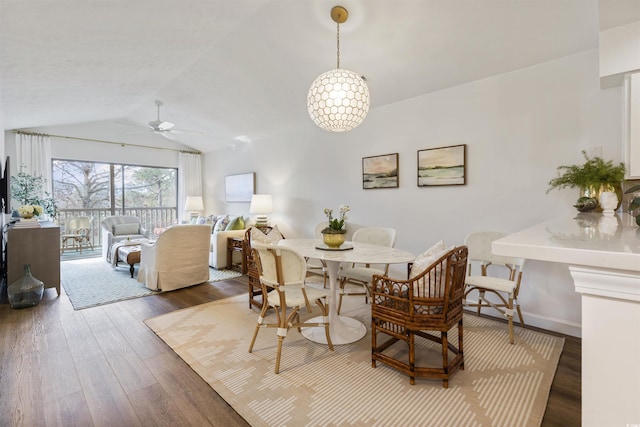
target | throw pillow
[
  {"x": 272, "y": 237},
  {"x": 240, "y": 224},
  {"x": 426, "y": 260},
  {"x": 125, "y": 229},
  {"x": 233, "y": 220},
  {"x": 221, "y": 224}
]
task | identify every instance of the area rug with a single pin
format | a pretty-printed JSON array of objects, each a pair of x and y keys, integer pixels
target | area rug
[
  {"x": 92, "y": 282},
  {"x": 502, "y": 384}
]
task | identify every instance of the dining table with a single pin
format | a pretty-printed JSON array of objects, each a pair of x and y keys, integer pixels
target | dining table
[{"x": 343, "y": 329}]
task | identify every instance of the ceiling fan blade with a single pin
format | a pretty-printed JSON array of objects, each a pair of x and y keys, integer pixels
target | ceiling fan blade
[
  {"x": 127, "y": 124},
  {"x": 187, "y": 131},
  {"x": 167, "y": 135}
]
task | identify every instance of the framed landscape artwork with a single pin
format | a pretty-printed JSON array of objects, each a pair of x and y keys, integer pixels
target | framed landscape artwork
[
  {"x": 239, "y": 188},
  {"x": 442, "y": 166},
  {"x": 380, "y": 171}
]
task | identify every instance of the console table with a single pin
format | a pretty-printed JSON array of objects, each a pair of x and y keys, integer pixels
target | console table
[
  {"x": 39, "y": 247},
  {"x": 603, "y": 254}
]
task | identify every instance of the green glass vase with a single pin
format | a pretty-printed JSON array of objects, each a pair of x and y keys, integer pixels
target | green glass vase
[{"x": 26, "y": 291}]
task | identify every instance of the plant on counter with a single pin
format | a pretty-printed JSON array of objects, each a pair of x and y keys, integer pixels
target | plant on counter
[
  {"x": 592, "y": 177},
  {"x": 336, "y": 226}
]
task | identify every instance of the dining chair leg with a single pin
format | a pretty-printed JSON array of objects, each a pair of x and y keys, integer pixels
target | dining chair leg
[
  {"x": 445, "y": 357},
  {"x": 280, "y": 339},
  {"x": 509, "y": 313},
  {"x": 460, "y": 343},
  {"x": 324, "y": 309},
  {"x": 263, "y": 312},
  {"x": 412, "y": 357},
  {"x": 255, "y": 335},
  {"x": 480, "y": 300},
  {"x": 520, "y": 314}
]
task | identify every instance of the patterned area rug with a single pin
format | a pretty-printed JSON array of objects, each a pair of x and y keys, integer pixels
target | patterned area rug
[
  {"x": 91, "y": 282},
  {"x": 502, "y": 384}
]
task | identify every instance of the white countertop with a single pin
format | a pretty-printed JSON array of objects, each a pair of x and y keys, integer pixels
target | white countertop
[{"x": 587, "y": 239}]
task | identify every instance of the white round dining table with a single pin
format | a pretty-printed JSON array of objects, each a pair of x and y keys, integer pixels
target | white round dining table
[{"x": 343, "y": 329}]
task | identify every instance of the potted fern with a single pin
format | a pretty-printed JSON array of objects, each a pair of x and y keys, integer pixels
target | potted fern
[{"x": 592, "y": 178}]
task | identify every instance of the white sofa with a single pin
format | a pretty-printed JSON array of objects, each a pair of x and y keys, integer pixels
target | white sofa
[{"x": 218, "y": 244}]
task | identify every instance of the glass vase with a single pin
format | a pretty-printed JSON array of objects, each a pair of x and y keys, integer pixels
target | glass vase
[{"x": 26, "y": 291}]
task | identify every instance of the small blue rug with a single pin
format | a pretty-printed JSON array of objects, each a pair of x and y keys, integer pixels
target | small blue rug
[{"x": 92, "y": 282}]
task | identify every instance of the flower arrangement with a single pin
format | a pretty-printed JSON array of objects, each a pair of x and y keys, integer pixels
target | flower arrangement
[
  {"x": 28, "y": 211},
  {"x": 336, "y": 226}
]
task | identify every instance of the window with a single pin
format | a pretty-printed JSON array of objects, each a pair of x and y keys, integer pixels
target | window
[{"x": 105, "y": 189}]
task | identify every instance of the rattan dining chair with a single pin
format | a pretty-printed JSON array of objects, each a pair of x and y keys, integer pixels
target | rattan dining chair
[
  {"x": 361, "y": 274},
  {"x": 284, "y": 270},
  {"x": 505, "y": 288},
  {"x": 429, "y": 306}
]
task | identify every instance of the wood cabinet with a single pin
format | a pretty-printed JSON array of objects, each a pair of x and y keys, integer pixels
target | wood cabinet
[{"x": 39, "y": 247}]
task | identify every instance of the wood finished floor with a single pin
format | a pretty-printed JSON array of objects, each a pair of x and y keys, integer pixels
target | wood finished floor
[{"x": 103, "y": 367}]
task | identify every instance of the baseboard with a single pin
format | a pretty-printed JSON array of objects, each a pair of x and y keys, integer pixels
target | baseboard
[{"x": 548, "y": 323}]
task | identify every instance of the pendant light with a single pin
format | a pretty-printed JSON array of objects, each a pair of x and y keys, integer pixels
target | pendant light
[{"x": 338, "y": 100}]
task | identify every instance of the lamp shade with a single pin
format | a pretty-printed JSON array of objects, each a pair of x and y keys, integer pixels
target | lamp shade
[
  {"x": 194, "y": 203},
  {"x": 338, "y": 100},
  {"x": 261, "y": 204}
]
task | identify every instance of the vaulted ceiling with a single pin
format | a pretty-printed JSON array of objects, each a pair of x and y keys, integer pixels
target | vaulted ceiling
[{"x": 231, "y": 71}]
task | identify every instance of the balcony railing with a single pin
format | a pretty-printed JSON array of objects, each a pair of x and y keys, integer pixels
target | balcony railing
[{"x": 152, "y": 219}]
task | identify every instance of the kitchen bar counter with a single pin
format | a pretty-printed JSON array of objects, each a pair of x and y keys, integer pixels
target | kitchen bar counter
[{"x": 603, "y": 254}]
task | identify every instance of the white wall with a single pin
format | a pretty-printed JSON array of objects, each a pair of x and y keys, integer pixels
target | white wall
[{"x": 518, "y": 128}]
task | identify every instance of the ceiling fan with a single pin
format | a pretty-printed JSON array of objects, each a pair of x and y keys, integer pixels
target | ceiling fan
[{"x": 160, "y": 125}]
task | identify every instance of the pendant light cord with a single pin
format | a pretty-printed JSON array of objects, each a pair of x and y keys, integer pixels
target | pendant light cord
[{"x": 338, "y": 43}]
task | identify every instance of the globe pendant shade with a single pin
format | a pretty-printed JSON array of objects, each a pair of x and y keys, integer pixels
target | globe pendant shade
[{"x": 338, "y": 100}]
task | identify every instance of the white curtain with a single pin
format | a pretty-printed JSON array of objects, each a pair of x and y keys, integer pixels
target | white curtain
[
  {"x": 33, "y": 152},
  {"x": 189, "y": 179}
]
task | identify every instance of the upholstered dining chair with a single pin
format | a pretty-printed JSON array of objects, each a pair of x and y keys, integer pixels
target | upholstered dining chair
[
  {"x": 505, "y": 288},
  {"x": 284, "y": 270},
  {"x": 361, "y": 274},
  {"x": 429, "y": 306}
]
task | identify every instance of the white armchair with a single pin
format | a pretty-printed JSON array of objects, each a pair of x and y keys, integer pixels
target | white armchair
[
  {"x": 179, "y": 258},
  {"x": 118, "y": 228}
]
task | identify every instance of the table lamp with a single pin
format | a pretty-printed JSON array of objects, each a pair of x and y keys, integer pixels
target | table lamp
[
  {"x": 194, "y": 205},
  {"x": 261, "y": 204}
]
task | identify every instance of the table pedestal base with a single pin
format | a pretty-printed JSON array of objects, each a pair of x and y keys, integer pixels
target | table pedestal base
[{"x": 346, "y": 331}]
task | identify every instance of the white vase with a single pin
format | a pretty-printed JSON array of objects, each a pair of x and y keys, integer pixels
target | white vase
[{"x": 608, "y": 202}]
